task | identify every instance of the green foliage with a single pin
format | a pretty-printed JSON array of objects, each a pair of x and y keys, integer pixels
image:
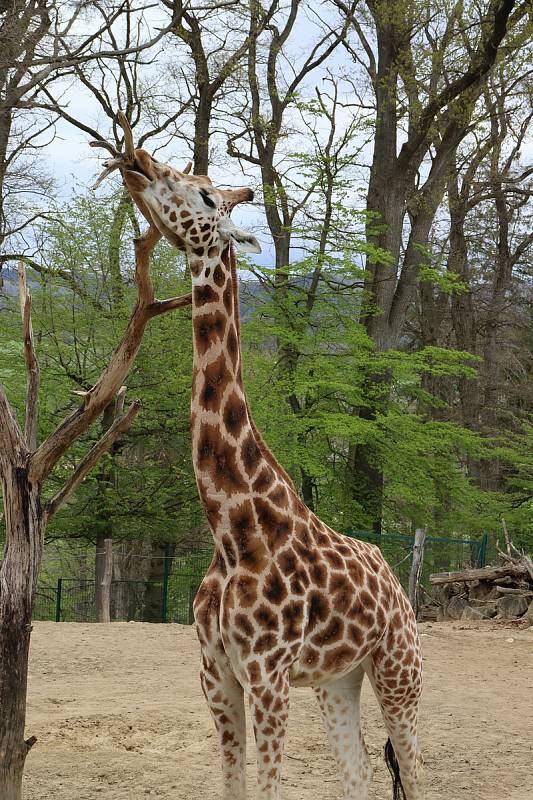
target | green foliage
[
  {"x": 310, "y": 410},
  {"x": 310, "y": 373},
  {"x": 433, "y": 270}
]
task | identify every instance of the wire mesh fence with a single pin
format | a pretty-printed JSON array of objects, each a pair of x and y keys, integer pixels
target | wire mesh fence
[
  {"x": 167, "y": 600},
  {"x": 170, "y": 599},
  {"x": 441, "y": 554}
]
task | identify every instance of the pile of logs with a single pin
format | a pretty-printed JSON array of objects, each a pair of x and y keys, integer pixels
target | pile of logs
[{"x": 503, "y": 592}]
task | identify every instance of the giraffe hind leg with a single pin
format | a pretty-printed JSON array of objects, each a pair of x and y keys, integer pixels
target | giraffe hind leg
[
  {"x": 340, "y": 706},
  {"x": 397, "y": 683},
  {"x": 394, "y": 769}
]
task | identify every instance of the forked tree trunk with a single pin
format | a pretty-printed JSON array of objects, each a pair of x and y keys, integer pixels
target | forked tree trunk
[
  {"x": 18, "y": 579},
  {"x": 23, "y": 468}
]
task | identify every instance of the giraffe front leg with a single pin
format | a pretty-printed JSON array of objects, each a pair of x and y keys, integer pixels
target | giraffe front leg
[
  {"x": 269, "y": 707},
  {"x": 340, "y": 706},
  {"x": 225, "y": 698}
]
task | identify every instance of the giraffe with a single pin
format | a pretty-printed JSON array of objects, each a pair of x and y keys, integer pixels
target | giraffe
[{"x": 286, "y": 600}]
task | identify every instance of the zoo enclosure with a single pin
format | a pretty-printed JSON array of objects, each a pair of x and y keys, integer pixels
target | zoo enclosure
[{"x": 70, "y": 599}]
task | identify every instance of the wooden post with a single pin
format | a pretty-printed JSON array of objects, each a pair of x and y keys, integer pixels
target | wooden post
[
  {"x": 103, "y": 613},
  {"x": 166, "y": 573},
  {"x": 416, "y": 567}
]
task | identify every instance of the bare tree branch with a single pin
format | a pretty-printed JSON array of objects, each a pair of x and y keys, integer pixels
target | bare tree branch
[
  {"x": 69, "y": 59},
  {"x": 162, "y": 306},
  {"x": 11, "y": 439},
  {"x": 121, "y": 424},
  {"x": 480, "y": 63},
  {"x": 113, "y": 375},
  {"x": 32, "y": 365}
]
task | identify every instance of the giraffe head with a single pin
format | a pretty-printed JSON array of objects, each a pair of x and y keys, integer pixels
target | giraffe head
[{"x": 188, "y": 210}]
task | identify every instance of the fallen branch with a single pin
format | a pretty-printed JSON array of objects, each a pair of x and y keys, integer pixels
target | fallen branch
[
  {"x": 512, "y": 590},
  {"x": 528, "y": 563},
  {"x": 484, "y": 573}
]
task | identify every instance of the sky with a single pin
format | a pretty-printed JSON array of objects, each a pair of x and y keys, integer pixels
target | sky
[{"x": 75, "y": 165}]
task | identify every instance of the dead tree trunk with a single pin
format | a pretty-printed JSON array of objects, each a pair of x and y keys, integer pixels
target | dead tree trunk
[
  {"x": 18, "y": 578},
  {"x": 23, "y": 469}
]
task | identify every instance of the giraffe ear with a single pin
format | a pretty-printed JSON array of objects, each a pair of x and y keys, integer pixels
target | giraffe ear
[
  {"x": 244, "y": 240},
  {"x": 135, "y": 181}
]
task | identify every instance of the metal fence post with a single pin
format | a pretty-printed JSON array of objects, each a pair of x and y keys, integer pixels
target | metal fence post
[
  {"x": 166, "y": 573},
  {"x": 58, "y": 599}
]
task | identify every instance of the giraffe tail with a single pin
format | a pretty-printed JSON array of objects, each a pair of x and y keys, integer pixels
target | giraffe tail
[{"x": 392, "y": 763}]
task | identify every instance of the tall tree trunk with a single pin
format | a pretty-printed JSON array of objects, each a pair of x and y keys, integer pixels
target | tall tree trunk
[
  {"x": 5, "y": 131},
  {"x": 18, "y": 580},
  {"x": 153, "y": 598},
  {"x": 202, "y": 124},
  {"x": 308, "y": 486},
  {"x": 463, "y": 312},
  {"x": 365, "y": 480}
]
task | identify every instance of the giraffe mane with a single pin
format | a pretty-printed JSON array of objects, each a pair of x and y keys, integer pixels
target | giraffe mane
[{"x": 263, "y": 447}]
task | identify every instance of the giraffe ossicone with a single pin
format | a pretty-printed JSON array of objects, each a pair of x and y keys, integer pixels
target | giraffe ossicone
[{"x": 286, "y": 600}]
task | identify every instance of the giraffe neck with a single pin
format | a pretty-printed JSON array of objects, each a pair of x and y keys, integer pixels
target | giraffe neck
[
  {"x": 217, "y": 371},
  {"x": 234, "y": 468}
]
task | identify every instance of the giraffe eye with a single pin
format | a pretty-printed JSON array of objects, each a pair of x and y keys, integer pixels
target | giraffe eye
[{"x": 207, "y": 199}]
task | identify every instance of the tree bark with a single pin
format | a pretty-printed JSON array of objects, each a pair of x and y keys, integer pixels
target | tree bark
[
  {"x": 308, "y": 487},
  {"x": 18, "y": 579},
  {"x": 153, "y": 598},
  {"x": 202, "y": 126}
]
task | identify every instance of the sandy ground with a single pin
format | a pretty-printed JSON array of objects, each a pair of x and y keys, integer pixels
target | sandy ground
[{"x": 119, "y": 715}]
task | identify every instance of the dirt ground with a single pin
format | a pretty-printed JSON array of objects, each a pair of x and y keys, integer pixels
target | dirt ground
[{"x": 119, "y": 715}]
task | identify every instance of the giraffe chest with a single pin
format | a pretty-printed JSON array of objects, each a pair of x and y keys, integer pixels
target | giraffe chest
[
  {"x": 266, "y": 625},
  {"x": 294, "y": 596}
]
